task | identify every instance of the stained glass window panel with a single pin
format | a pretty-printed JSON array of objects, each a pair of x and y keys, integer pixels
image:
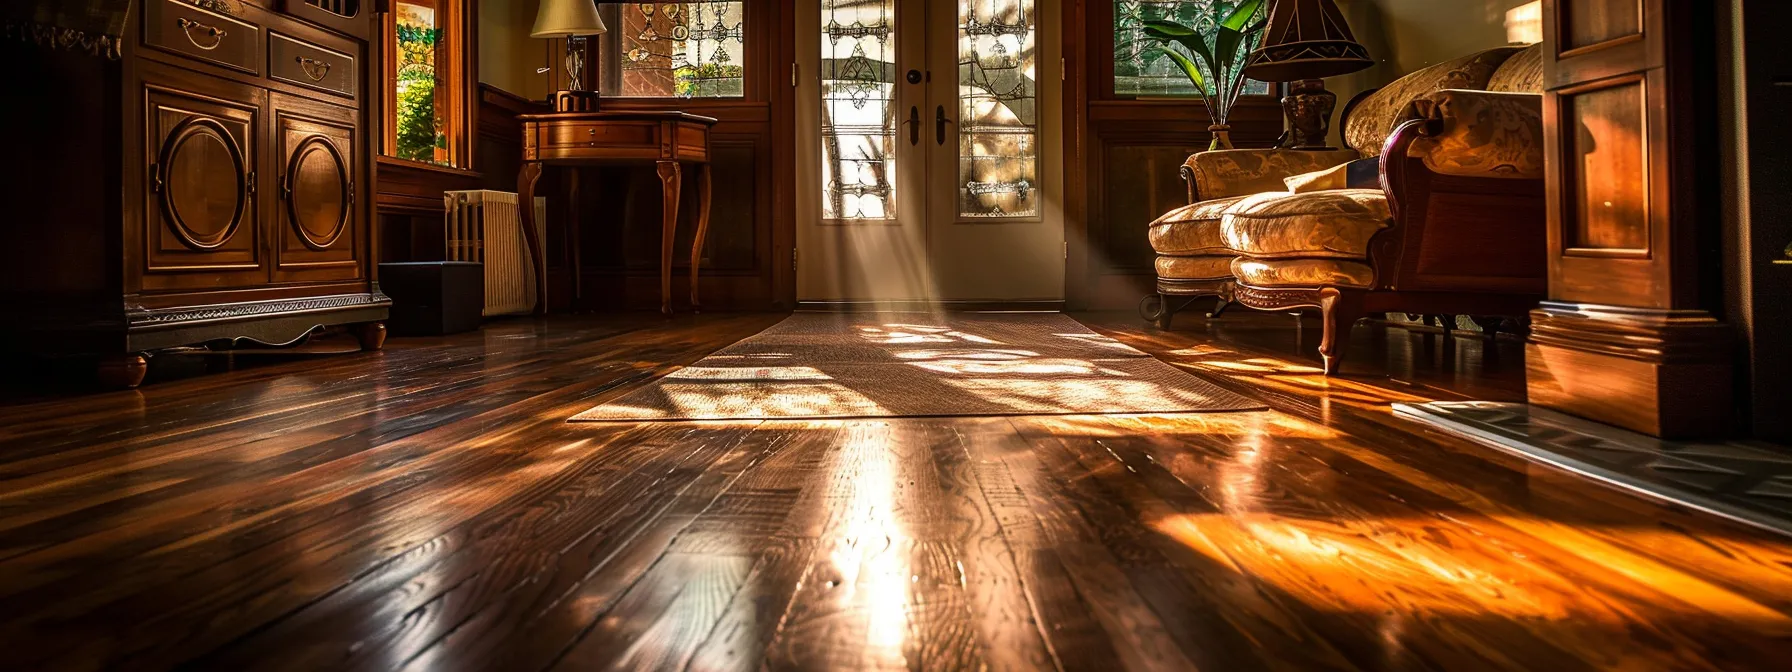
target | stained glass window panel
[
  {"x": 421, "y": 126},
  {"x": 679, "y": 50},
  {"x": 998, "y": 116},
  {"x": 858, "y": 109},
  {"x": 1140, "y": 68}
]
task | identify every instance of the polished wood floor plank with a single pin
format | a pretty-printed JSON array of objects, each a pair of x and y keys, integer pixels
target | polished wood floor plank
[{"x": 427, "y": 507}]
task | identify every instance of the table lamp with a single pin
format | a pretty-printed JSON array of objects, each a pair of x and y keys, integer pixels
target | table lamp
[
  {"x": 1304, "y": 41},
  {"x": 573, "y": 20}
]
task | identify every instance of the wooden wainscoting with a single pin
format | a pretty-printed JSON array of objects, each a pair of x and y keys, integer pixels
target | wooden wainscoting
[{"x": 1123, "y": 162}]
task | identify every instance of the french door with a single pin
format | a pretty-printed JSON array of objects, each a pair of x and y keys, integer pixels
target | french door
[{"x": 929, "y": 161}]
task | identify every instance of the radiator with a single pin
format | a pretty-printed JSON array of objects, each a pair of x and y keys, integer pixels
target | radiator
[{"x": 485, "y": 226}]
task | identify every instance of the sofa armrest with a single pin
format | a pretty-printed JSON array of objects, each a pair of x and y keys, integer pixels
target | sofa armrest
[
  {"x": 1480, "y": 134},
  {"x": 1241, "y": 172}
]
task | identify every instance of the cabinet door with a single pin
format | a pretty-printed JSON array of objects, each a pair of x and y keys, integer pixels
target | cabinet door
[
  {"x": 319, "y": 232},
  {"x": 201, "y": 221}
]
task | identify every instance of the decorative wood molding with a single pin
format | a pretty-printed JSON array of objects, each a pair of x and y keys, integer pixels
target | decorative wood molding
[
  {"x": 1654, "y": 336},
  {"x": 141, "y": 319}
]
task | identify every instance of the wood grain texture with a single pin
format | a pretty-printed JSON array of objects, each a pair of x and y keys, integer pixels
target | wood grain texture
[{"x": 428, "y": 507}]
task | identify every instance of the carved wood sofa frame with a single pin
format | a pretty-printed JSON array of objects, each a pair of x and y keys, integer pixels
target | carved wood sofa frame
[{"x": 1433, "y": 225}]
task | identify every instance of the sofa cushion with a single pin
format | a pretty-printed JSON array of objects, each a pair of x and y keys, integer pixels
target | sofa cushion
[
  {"x": 1336, "y": 223},
  {"x": 1195, "y": 268},
  {"x": 1359, "y": 174},
  {"x": 1302, "y": 273},
  {"x": 1522, "y": 73},
  {"x": 1373, "y": 119},
  {"x": 1191, "y": 229}
]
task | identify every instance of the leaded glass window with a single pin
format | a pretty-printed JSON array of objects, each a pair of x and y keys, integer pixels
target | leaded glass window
[
  {"x": 421, "y": 131},
  {"x": 858, "y": 109},
  {"x": 424, "y": 112},
  {"x": 677, "y": 49},
  {"x": 998, "y": 116},
  {"x": 1140, "y": 68}
]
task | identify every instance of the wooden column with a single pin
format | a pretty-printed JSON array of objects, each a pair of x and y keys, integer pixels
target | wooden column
[{"x": 1626, "y": 337}]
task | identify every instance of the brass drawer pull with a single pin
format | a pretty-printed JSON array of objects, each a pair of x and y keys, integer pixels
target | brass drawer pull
[
  {"x": 315, "y": 69},
  {"x": 187, "y": 25}
]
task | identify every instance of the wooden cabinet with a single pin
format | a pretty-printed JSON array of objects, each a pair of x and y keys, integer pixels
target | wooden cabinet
[
  {"x": 207, "y": 186},
  {"x": 202, "y": 220},
  {"x": 318, "y": 235}
]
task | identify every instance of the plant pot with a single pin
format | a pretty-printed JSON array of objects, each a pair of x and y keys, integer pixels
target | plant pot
[{"x": 1222, "y": 137}]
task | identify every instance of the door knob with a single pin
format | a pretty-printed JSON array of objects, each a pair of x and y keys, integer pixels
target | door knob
[
  {"x": 914, "y": 76},
  {"x": 939, "y": 124}
]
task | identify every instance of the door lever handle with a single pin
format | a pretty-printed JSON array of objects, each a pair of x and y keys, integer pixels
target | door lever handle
[
  {"x": 939, "y": 124},
  {"x": 914, "y": 125}
]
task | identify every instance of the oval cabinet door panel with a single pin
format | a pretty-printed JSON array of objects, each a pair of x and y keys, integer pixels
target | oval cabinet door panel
[
  {"x": 204, "y": 183},
  {"x": 200, "y": 204},
  {"x": 320, "y": 233},
  {"x": 317, "y": 192}
]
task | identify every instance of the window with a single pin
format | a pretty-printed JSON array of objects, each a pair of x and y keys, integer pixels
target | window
[
  {"x": 674, "y": 49},
  {"x": 423, "y": 72},
  {"x": 998, "y": 112},
  {"x": 858, "y": 124},
  {"x": 1140, "y": 68}
]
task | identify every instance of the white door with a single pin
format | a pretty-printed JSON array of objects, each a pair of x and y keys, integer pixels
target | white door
[{"x": 930, "y": 163}]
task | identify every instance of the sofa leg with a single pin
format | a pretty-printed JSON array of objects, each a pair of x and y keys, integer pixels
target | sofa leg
[
  {"x": 1339, "y": 310},
  {"x": 1220, "y": 304},
  {"x": 1155, "y": 308}
]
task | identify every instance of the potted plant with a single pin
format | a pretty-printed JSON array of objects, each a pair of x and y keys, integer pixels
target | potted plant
[{"x": 1219, "y": 76}]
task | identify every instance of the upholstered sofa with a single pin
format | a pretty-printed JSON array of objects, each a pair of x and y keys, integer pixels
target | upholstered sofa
[{"x": 1437, "y": 208}]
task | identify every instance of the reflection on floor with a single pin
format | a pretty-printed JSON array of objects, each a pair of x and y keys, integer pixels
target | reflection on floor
[
  {"x": 430, "y": 507},
  {"x": 861, "y": 365}
]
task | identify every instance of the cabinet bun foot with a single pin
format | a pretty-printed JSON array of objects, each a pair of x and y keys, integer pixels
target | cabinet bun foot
[
  {"x": 122, "y": 372},
  {"x": 372, "y": 335}
]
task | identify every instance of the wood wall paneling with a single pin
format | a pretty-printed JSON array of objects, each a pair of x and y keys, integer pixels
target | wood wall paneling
[
  {"x": 1628, "y": 336},
  {"x": 1124, "y": 158},
  {"x": 1609, "y": 207},
  {"x": 1592, "y": 22}
]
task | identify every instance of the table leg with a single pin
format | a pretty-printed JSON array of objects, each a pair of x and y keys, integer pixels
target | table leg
[
  {"x": 702, "y": 229},
  {"x": 525, "y": 191},
  {"x": 669, "y": 184},
  {"x": 574, "y": 248}
]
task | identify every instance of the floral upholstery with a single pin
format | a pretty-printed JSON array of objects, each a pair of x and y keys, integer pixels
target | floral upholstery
[
  {"x": 1302, "y": 272},
  {"x": 1522, "y": 73},
  {"x": 1192, "y": 229},
  {"x": 1195, "y": 268},
  {"x": 1482, "y": 134},
  {"x": 1374, "y": 118},
  {"x": 1336, "y": 224},
  {"x": 1242, "y": 172}
]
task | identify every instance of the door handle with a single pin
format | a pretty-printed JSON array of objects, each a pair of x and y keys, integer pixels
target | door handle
[
  {"x": 939, "y": 124},
  {"x": 914, "y": 125}
]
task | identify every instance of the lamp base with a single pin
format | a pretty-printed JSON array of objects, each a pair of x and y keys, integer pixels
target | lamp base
[
  {"x": 575, "y": 101},
  {"x": 1309, "y": 110}
]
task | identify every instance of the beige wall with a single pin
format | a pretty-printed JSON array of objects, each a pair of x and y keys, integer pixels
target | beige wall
[
  {"x": 1407, "y": 35},
  {"x": 508, "y": 57}
]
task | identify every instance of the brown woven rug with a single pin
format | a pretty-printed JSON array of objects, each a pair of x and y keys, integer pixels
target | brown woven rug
[{"x": 842, "y": 365}]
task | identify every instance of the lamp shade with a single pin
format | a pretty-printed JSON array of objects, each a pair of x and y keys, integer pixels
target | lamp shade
[
  {"x": 1306, "y": 39},
  {"x": 565, "y": 18}
]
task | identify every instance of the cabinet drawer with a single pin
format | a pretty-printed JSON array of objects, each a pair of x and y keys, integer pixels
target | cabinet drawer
[
  {"x": 190, "y": 31},
  {"x": 308, "y": 65}
]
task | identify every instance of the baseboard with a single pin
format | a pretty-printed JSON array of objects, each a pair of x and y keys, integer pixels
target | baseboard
[{"x": 1053, "y": 306}]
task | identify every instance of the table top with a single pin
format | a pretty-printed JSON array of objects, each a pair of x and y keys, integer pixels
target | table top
[{"x": 628, "y": 115}]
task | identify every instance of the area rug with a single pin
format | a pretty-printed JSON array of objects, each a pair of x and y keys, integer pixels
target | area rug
[{"x": 865, "y": 365}]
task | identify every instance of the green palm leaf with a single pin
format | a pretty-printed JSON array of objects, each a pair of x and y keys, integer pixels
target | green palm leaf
[{"x": 1188, "y": 68}]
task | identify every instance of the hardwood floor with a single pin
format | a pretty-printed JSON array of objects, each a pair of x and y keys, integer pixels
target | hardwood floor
[{"x": 428, "y": 507}]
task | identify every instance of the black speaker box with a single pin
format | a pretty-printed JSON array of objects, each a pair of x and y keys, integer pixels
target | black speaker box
[{"x": 431, "y": 298}]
